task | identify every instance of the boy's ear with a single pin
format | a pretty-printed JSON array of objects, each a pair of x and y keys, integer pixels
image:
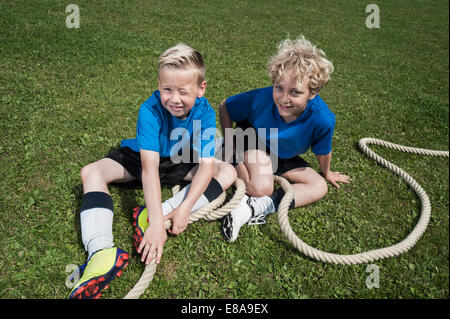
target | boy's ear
[{"x": 202, "y": 89}]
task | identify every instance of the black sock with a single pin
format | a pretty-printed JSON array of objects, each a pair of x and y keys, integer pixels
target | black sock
[
  {"x": 277, "y": 196},
  {"x": 96, "y": 199},
  {"x": 213, "y": 190}
]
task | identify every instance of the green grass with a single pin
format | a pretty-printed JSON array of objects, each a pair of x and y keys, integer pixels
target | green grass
[{"x": 68, "y": 95}]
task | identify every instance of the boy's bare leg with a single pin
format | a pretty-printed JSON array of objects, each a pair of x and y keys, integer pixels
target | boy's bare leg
[
  {"x": 97, "y": 175},
  {"x": 96, "y": 213},
  {"x": 309, "y": 186},
  {"x": 105, "y": 261},
  {"x": 256, "y": 172}
]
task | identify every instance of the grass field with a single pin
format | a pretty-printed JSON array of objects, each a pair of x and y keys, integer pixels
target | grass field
[{"x": 67, "y": 96}]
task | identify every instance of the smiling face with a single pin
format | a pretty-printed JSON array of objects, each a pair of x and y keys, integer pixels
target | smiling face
[
  {"x": 179, "y": 89},
  {"x": 291, "y": 98}
]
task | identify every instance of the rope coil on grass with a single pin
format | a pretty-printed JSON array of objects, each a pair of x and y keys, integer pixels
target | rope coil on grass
[
  {"x": 373, "y": 255},
  {"x": 210, "y": 211}
]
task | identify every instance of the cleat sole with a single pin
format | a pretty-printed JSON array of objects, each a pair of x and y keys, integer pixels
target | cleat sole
[{"x": 93, "y": 288}]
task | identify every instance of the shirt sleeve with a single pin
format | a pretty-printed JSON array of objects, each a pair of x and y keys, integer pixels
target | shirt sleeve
[
  {"x": 148, "y": 129},
  {"x": 240, "y": 106},
  {"x": 322, "y": 144}
]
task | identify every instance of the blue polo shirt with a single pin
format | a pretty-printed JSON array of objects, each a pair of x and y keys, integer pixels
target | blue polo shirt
[
  {"x": 158, "y": 130},
  {"x": 312, "y": 129}
]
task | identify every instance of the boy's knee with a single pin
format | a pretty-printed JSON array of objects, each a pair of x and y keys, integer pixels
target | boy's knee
[
  {"x": 225, "y": 174},
  {"x": 89, "y": 172},
  {"x": 260, "y": 188},
  {"x": 84, "y": 173},
  {"x": 321, "y": 187}
]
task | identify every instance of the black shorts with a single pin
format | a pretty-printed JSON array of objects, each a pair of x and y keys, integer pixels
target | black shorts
[
  {"x": 279, "y": 165},
  {"x": 170, "y": 173}
]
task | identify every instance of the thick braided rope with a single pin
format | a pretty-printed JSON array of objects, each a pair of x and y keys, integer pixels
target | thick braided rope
[
  {"x": 207, "y": 212},
  {"x": 376, "y": 254}
]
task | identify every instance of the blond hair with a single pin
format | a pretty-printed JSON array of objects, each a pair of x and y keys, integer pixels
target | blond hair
[
  {"x": 306, "y": 60},
  {"x": 182, "y": 57}
]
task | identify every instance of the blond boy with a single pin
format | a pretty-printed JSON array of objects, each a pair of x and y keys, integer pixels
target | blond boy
[
  {"x": 293, "y": 118},
  {"x": 174, "y": 142}
]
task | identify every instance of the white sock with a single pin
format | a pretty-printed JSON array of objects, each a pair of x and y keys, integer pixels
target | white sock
[
  {"x": 96, "y": 217},
  {"x": 96, "y": 229},
  {"x": 169, "y": 205}
]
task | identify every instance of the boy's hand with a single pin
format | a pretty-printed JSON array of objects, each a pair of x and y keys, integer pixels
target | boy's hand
[
  {"x": 335, "y": 177},
  {"x": 180, "y": 220},
  {"x": 153, "y": 241}
]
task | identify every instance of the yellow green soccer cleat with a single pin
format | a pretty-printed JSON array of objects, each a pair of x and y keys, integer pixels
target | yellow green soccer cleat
[
  {"x": 140, "y": 223},
  {"x": 96, "y": 274}
]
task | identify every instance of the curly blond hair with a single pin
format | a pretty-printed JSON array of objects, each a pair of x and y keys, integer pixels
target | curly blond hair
[{"x": 306, "y": 60}]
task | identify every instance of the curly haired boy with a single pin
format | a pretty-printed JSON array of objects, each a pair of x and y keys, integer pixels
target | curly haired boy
[{"x": 287, "y": 120}]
